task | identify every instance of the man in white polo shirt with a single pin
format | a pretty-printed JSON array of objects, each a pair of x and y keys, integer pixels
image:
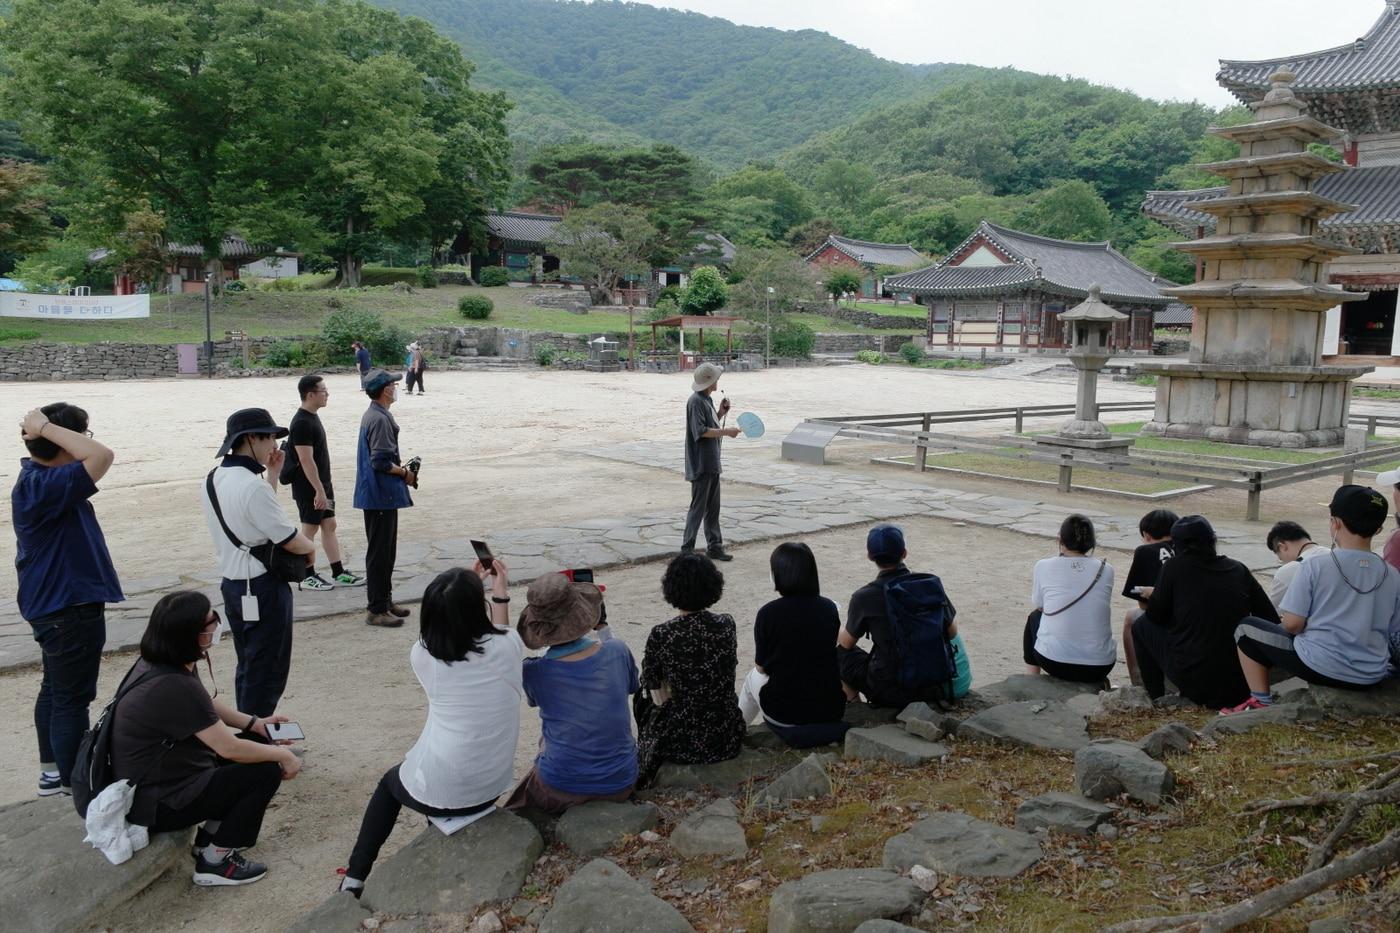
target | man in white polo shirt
[{"x": 258, "y": 606}]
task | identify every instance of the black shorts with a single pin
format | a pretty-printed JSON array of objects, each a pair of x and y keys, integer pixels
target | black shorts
[
  {"x": 305, "y": 501},
  {"x": 1271, "y": 645},
  {"x": 1077, "y": 673}
]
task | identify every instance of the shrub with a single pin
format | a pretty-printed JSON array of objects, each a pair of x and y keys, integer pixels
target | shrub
[
  {"x": 672, "y": 293},
  {"x": 475, "y": 307},
  {"x": 912, "y": 353},
  {"x": 706, "y": 293},
  {"x": 388, "y": 275},
  {"x": 544, "y": 355},
  {"x": 283, "y": 354},
  {"x": 873, "y": 357},
  {"x": 793, "y": 339},
  {"x": 427, "y": 278},
  {"x": 347, "y": 324},
  {"x": 235, "y": 285},
  {"x": 492, "y": 276}
]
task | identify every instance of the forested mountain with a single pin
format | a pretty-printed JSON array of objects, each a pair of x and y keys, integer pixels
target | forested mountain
[{"x": 724, "y": 92}]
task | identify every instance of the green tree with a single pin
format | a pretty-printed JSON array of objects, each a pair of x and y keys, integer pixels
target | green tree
[
  {"x": 756, "y": 270},
  {"x": 140, "y": 247},
  {"x": 706, "y": 293},
  {"x": 604, "y": 243},
  {"x": 808, "y": 237},
  {"x": 758, "y": 202},
  {"x": 25, "y": 224},
  {"x": 840, "y": 280},
  {"x": 845, "y": 186},
  {"x": 1071, "y": 210}
]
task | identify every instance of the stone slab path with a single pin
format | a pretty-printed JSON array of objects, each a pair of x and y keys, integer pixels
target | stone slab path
[{"x": 804, "y": 499}]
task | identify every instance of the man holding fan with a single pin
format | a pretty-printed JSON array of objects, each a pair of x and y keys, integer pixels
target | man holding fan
[{"x": 702, "y": 434}]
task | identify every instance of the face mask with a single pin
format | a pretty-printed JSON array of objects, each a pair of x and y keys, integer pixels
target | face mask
[{"x": 218, "y": 634}]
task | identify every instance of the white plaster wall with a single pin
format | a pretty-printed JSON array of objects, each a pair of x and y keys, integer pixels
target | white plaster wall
[
  {"x": 273, "y": 267},
  {"x": 982, "y": 256},
  {"x": 1395, "y": 328}
]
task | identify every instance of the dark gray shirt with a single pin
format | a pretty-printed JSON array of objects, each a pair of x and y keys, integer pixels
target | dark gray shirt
[{"x": 701, "y": 453}]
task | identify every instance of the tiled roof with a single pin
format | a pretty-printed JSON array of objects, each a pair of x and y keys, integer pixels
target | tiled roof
[
  {"x": 875, "y": 254},
  {"x": 1174, "y": 313},
  {"x": 1374, "y": 190},
  {"x": 233, "y": 246},
  {"x": 523, "y": 227},
  {"x": 1058, "y": 266},
  {"x": 713, "y": 247},
  {"x": 1372, "y": 61}
]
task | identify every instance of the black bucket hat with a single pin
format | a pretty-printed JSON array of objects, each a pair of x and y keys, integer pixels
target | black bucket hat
[{"x": 248, "y": 421}]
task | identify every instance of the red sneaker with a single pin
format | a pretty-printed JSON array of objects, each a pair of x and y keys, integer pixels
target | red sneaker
[{"x": 1244, "y": 707}]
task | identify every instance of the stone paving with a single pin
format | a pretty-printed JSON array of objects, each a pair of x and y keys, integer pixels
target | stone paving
[{"x": 804, "y": 499}]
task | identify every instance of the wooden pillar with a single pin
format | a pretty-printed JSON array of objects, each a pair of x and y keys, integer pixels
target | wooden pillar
[
  {"x": 1001, "y": 323},
  {"x": 729, "y": 343},
  {"x": 952, "y": 317},
  {"x": 1066, "y": 471},
  {"x": 921, "y": 454}
]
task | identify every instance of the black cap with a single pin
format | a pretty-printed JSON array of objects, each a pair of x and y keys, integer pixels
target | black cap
[
  {"x": 1361, "y": 509},
  {"x": 248, "y": 421},
  {"x": 1191, "y": 528}
]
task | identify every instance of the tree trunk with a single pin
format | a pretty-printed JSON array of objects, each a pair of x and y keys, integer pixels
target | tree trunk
[{"x": 350, "y": 267}]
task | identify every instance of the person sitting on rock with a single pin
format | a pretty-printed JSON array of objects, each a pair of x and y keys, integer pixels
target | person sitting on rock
[
  {"x": 687, "y": 710},
  {"x": 876, "y": 674},
  {"x": 1292, "y": 545},
  {"x": 1069, "y": 633},
  {"x": 1338, "y": 612},
  {"x": 796, "y": 682},
  {"x": 468, "y": 661},
  {"x": 1155, "y": 529},
  {"x": 1389, "y": 481},
  {"x": 582, "y": 686},
  {"x": 193, "y": 758},
  {"x": 1187, "y": 632}
]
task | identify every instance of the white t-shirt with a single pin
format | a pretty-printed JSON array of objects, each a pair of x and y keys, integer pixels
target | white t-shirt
[
  {"x": 253, "y": 514},
  {"x": 1287, "y": 573},
  {"x": 1083, "y": 633},
  {"x": 466, "y": 752}
]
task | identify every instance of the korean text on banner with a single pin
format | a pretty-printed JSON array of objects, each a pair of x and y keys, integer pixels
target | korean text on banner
[{"x": 74, "y": 307}]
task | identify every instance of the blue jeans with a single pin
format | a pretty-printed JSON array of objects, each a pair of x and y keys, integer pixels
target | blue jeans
[
  {"x": 71, "y": 640},
  {"x": 264, "y": 647}
]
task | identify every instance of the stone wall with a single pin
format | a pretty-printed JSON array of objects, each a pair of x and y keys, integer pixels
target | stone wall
[
  {"x": 850, "y": 344},
  {"x": 866, "y": 318}
]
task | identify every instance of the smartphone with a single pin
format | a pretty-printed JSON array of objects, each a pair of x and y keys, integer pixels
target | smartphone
[
  {"x": 283, "y": 731},
  {"x": 583, "y": 575},
  {"x": 483, "y": 554}
]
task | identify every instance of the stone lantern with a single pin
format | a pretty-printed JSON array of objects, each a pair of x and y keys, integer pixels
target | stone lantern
[{"x": 1089, "y": 323}]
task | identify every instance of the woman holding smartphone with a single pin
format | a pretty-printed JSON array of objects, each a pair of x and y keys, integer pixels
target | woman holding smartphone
[{"x": 467, "y": 659}]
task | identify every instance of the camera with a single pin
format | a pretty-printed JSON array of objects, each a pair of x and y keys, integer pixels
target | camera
[{"x": 416, "y": 465}]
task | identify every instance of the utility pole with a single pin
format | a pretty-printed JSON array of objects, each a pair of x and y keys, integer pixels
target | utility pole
[
  {"x": 209, "y": 325},
  {"x": 768, "y": 328}
]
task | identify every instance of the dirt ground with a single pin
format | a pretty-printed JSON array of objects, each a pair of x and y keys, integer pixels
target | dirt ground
[{"x": 502, "y": 451}]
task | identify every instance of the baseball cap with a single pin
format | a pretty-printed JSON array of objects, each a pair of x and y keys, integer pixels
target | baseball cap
[
  {"x": 1361, "y": 509},
  {"x": 885, "y": 544},
  {"x": 1192, "y": 528},
  {"x": 378, "y": 379}
]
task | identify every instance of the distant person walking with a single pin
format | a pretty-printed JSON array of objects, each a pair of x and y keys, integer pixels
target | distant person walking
[
  {"x": 361, "y": 359},
  {"x": 702, "y": 468},
  {"x": 381, "y": 489},
  {"x": 66, "y": 577},
  {"x": 310, "y": 469},
  {"x": 414, "y": 366}
]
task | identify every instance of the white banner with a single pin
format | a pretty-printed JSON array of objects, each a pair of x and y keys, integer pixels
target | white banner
[{"x": 74, "y": 307}]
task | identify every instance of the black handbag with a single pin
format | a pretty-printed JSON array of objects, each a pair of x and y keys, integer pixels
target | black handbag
[{"x": 280, "y": 562}]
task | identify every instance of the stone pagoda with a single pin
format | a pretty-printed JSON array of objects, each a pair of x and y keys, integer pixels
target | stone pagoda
[{"x": 1255, "y": 373}]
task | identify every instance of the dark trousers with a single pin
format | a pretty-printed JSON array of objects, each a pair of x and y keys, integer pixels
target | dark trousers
[
  {"x": 1216, "y": 685},
  {"x": 264, "y": 647},
  {"x": 704, "y": 504},
  {"x": 389, "y": 798},
  {"x": 410, "y": 378},
  {"x": 1076, "y": 673},
  {"x": 381, "y": 551},
  {"x": 237, "y": 796},
  {"x": 71, "y": 641}
]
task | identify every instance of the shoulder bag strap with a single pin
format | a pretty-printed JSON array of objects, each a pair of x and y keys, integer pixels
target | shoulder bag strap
[
  {"x": 219, "y": 513},
  {"x": 1103, "y": 562}
]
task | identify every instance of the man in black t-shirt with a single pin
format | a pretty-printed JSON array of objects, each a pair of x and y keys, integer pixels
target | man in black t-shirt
[
  {"x": 311, "y": 485},
  {"x": 1156, "y": 549}
]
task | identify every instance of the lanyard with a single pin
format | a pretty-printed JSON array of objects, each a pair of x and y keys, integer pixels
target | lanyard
[{"x": 573, "y": 647}]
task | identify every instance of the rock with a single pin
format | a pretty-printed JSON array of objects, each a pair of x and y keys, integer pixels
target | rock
[
  {"x": 885, "y": 926},
  {"x": 435, "y": 873},
  {"x": 1330, "y": 925},
  {"x": 595, "y": 827},
  {"x": 1109, "y": 767},
  {"x": 1020, "y": 687},
  {"x": 1087, "y": 705},
  {"x": 1174, "y": 701},
  {"x": 1029, "y": 723},
  {"x": 956, "y": 844},
  {"x": 928, "y": 723},
  {"x": 749, "y": 886},
  {"x": 339, "y": 913},
  {"x": 807, "y": 779},
  {"x": 760, "y": 736},
  {"x": 649, "y": 837},
  {"x": 713, "y": 830},
  {"x": 1172, "y": 737},
  {"x": 1108, "y": 831},
  {"x": 1125, "y": 699},
  {"x": 602, "y": 898},
  {"x": 487, "y": 923},
  {"x": 1248, "y": 721},
  {"x": 839, "y": 900},
  {"x": 891, "y": 743},
  {"x": 723, "y": 776},
  {"x": 1067, "y": 813},
  {"x": 861, "y": 713},
  {"x": 925, "y": 878},
  {"x": 1380, "y": 700},
  {"x": 54, "y": 881}
]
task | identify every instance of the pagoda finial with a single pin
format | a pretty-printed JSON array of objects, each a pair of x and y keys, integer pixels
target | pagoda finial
[
  {"x": 1094, "y": 292},
  {"x": 1282, "y": 81}
]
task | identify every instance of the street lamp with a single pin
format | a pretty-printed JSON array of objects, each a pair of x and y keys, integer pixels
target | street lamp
[
  {"x": 209, "y": 325},
  {"x": 768, "y": 328}
]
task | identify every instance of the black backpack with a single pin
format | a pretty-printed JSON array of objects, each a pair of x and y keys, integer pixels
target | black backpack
[
  {"x": 291, "y": 463},
  {"x": 916, "y": 607},
  {"x": 92, "y": 768}
]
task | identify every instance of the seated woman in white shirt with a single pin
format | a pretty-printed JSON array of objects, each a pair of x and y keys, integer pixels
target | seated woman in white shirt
[
  {"x": 469, "y": 665},
  {"x": 1069, "y": 634}
]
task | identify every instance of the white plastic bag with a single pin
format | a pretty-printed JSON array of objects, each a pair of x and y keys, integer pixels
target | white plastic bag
[{"x": 107, "y": 828}]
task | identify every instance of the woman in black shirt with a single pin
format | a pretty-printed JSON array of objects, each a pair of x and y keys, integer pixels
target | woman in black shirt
[{"x": 795, "y": 683}]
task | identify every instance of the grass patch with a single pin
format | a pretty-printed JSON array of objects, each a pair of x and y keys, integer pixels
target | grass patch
[
  {"x": 904, "y": 309},
  {"x": 1188, "y": 448},
  {"x": 952, "y": 364},
  {"x": 1370, "y": 392},
  {"x": 1145, "y": 380},
  {"x": 1045, "y": 472}
]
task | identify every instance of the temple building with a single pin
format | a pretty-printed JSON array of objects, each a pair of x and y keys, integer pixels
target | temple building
[
  {"x": 1355, "y": 88},
  {"x": 1005, "y": 289},
  {"x": 867, "y": 259}
]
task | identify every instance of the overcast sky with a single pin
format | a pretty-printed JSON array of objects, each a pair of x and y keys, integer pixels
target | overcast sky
[{"x": 1165, "y": 50}]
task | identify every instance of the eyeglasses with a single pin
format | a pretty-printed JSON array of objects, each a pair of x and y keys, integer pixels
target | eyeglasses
[{"x": 89, "y": 434}]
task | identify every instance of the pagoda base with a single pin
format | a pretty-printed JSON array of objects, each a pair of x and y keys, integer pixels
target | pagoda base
[{"x": 1277, "y": 406}]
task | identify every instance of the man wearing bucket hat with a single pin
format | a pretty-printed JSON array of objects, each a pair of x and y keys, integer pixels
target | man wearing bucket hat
[
  {"x": 582, "y": 687},
  {"x": 257, "y": 605},
  {"x": 381, "y": 489},
  {"x": 702, "y": 469}
]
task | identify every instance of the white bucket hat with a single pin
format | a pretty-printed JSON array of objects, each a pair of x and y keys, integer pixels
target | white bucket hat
[
  {"x": 706, "y": 375},
  {"x": 1388, "y": 478}
]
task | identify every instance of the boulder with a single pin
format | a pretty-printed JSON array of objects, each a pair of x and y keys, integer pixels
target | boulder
[
  {"x": 956, "y": 844},
  {"x": 1380, "y": 700},
  {"x": 891, "y": 743},
  {"x": 760, "y": 736},
  {"x": 725, "y": 777},
  {"x": 1125, "y": 699},
  {"x": 839, "y": 900},
  {"x": 1109, "y": 767},
  {"x": 436, "y": 873},
  {"x": 1029, "y": 723},
  {"x": 807, "y": 779},
  {"x": 54, "y": 881},
  {"x": 1172, "y": 737},
  {"x": 1248, "y": 721},
  {"x": 339, "y": 913},
  {"x": 928, "y": 723},
  {"x": 712, "y": 830},
  {"x": 602, "y": 898},
  {"x": 1067, "y": 813},
  {"x": 595, "y": 827},
  {"x": 1019, "y": 687}
]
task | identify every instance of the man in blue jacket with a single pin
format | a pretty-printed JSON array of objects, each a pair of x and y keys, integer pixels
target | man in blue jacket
[{"x": 381, "y": 489}]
